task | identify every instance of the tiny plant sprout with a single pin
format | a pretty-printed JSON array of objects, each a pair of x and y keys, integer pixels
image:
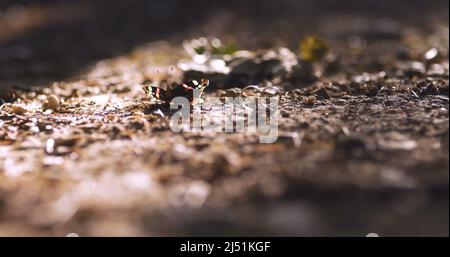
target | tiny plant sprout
[{"x": 312, "y": 49}]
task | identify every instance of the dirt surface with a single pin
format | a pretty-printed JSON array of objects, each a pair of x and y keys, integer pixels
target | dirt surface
[{"x": 362, "y": 148}]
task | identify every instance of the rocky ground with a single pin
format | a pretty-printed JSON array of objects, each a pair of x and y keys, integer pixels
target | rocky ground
[{"x": 363, "y": 130}]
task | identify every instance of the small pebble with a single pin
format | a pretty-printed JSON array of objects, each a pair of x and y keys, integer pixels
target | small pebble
[
  {"x": 17, "y": 109},
  {"x": 233, "y": 92},
  {"x": 52, "y": 103},
  {"x": 340, "y": 102},
  {"x": 432, "y": 54},
  {"x": 443, "y": 111},
  {"x": 309, "y": 100},
  {"x": 111, "y": 117}
]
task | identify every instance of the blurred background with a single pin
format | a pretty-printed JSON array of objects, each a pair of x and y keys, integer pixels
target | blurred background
[{"x": 48, "y": 40}]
